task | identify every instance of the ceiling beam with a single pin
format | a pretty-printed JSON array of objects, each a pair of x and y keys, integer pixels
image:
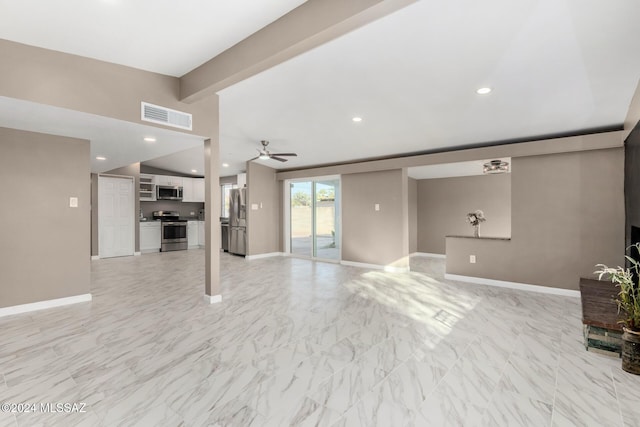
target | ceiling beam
[{"x": 313, "y": 23}]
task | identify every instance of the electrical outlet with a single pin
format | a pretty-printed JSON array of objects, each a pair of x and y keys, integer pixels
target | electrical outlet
[
  {"x": 472, "y": 259},
  {"x": 376, "y": 207},
  {"x": 73, "y": 202},
  {"x": 192, "y": 213}
]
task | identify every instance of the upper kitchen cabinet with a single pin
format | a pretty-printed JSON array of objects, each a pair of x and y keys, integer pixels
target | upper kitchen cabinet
[
  {"x": 193, "y": 190},
  {"x": 175, "y": 181},
  {"x": 147, "y": 188},
  {"x": 198, "y": 189}
]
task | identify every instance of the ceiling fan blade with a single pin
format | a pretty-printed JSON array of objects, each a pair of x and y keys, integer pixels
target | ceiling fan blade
[
  {"x": 278, "y": 158},
  {"x": 251, "y": 160},
  {"x": 284, "y": 154}
]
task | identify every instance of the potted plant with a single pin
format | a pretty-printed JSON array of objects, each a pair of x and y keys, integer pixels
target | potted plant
[{"x": 628, "y": 299}]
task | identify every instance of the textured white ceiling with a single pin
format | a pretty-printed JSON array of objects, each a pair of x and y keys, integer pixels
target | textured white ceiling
[
  {"x": 555, "y": 66},
  {"x": 122, "y": 143},
  {"x": 165, "y": 36}
]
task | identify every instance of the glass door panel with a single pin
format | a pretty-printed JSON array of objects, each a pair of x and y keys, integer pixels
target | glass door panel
[
  {"x": 326, "y": 243},
  {"x": 302, "y": 218}
]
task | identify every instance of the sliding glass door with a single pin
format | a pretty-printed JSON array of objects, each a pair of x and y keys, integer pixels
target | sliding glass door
[
  {"x": 314, "y": 218},
  {"x": 301, "y": 218}
]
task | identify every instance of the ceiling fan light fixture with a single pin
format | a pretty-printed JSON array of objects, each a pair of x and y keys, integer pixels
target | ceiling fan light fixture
[
  {"x": 495, "y": 166},
  {"x": 263, "y": 156}
]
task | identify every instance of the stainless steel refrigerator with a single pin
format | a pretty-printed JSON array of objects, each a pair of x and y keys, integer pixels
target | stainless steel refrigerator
[{"x": 238, "y": 221}]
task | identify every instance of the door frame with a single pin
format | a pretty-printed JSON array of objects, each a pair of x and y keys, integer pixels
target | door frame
[
  {"x": 286, "y": 209},
  {"x": 133, "y": 210}
]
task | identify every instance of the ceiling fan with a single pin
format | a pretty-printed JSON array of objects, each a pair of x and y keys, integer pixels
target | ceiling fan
[{"x": 266, "y": 154}]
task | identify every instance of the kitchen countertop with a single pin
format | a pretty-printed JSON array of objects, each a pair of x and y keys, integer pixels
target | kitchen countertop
[{"x": 479, "y": 238}]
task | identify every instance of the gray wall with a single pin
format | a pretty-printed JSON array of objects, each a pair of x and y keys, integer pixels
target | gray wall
[
  {"x": 45, "y": 244},
  {"x": 413, "y": 215},
  {"x": 184, "y": 208},
  {"x": 567, "y": 216},
  {"x": 263, "y": 224},
  {"x": 443, "y": 205},
  {"x": 96, "y": 87},
  {"x": 632, "y": 182},
  {"x": 375, "y": 237},
  {"x": 233, "y": 179}
]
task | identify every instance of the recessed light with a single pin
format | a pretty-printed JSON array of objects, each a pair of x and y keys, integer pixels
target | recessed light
[
  {"x": 193, "y": 171},
  {"x": 357, "y": 119},
  {"x": 483, "y": 90},
  {"x": 101, "y": 158},
  {"x": 149, "y": 139},
  {"x": 225, "y": 165}
]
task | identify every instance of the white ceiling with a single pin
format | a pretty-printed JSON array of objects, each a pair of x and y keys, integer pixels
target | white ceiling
[
  {"x": 122, "y": 143},
  {"x": 555, "y": 66},
  {"x": 165, "y": 36}
]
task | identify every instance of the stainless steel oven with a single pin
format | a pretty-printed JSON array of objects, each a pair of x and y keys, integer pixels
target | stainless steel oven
[{"x": 173, "y": 231}]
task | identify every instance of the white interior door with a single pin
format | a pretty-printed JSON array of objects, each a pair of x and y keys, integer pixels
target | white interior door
[{"x": 116, "y": 216}]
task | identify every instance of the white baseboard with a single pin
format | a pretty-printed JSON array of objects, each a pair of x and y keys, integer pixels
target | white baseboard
[
  {"x": 514, "y": 285},
  {"x": 95, "y": 257},
  {"x": 267, "y": 255},
  {"x": 387, "y": 268},
  {"x": 41, "y": 305},
  {"x": 428, "y": 255},
  {"x": 136, "y": 254},
  {"x": 212, "y": 299}
]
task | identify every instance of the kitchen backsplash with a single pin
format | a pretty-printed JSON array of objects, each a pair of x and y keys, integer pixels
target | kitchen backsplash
[{"x": 184, "y": 208}]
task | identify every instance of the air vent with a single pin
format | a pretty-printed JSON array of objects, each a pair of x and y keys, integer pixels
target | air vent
[{"x": 166, "y": 116}]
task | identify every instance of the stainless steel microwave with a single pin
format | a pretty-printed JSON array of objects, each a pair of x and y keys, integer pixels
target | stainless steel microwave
[{"x": 168, "y": 192}]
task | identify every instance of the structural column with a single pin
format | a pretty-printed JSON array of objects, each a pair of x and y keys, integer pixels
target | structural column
[{"x": 212, "y": 290}]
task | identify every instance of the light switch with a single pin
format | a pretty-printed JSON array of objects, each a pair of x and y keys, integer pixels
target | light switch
[
  {"x": 376, "y": 207},
  {"x": 73, "y": 202},
  {"x": 254, "y": 206},
  {"x": 472, "y": 259}
]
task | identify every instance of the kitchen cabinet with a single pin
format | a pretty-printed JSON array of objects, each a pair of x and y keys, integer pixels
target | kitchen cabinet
[
  {"x": 175, "y": 181},
  {"x": 241, "y": 180},
  {"x": 193, "y": 190},
  {"x": 198, "y": 190},
  {"x": 147, "y": 188},
  {"x": 193, "y": 233},
  {"x": 150, "y": 236},
  {"x": 187, "y": 190}
]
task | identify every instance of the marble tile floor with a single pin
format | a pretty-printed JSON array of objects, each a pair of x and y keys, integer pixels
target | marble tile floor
[{"x": 296, "y": 342}]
